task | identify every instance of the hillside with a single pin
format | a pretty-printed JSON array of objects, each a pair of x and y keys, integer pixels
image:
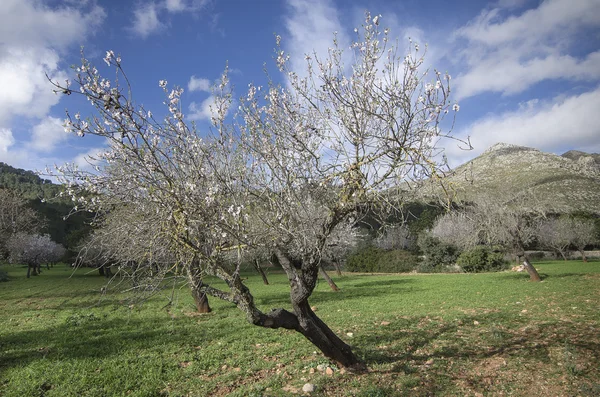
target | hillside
[
  {"x": 561, "y": 184},
  {"x": 42, "y": 198}
]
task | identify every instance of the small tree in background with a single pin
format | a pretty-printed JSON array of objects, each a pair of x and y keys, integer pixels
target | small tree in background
[
  {"x": 583, "y": 234},
  {"x": 15, "y": 217},
  {"x": 458, "y": 228},
  {"x": 33, "y": 250},
  {"x": 556, "y": 234}
]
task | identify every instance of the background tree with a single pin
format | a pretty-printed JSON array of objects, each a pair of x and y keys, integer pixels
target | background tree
[
  {"x": 33, "y": 250},
  {"x": 583, "y": 234},
  {"x": 509, "y": 224},
  {"x": 15, "y": 217},
  {"x": 556, "y": 234},
  {"x": 459, "y": 228},
  {"x": 341, "y": 138}
]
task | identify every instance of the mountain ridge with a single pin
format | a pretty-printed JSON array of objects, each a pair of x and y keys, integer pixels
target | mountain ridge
[{"x": 555, "y": 183}]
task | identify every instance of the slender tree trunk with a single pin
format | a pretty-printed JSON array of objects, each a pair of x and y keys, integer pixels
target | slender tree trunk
[
  {"x": 29, "y": 271},
  {"x": 563, "y": 255},
  {"x": 260, "y": 271},
  {"x": 533, "y": 274},
  {"x": 336, "y": 265},
  {"x": 583, "y": 257},
  {"x": 101, "y": 271},
  {"x": 331, "y": 283}
]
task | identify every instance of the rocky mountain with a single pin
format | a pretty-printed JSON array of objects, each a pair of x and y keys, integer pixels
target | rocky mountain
[{"x": 560, "y": 184}]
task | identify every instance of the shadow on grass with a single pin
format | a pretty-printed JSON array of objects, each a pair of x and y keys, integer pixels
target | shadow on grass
[
  {"x": 411, "y": 340},
  {"x": 83, "y": 336},
  {"x": 347, "y": 292}
]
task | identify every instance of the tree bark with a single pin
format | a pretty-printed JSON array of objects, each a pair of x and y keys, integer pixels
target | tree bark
[
  {"x": 309, "y": 325},
  {"x": 337, "y": 266},
  {"x": 320, "y": 335},
  {"x": 260, "y": 271},
  {"x": 198, "y": 288},
  {"x": 200, "y": 299},
  {"x": 331, "y": 283},
  {"x": 583, "y": 257},
  {"x": 533, "y": 274}
]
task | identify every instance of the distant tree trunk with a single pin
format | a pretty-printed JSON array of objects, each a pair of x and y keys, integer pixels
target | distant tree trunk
[
  {"x": 337, "y": 266},
  {"x": 196, "y": 287},
  {"x": 583, "y": 257},
  {"x": 331, "y": 283},
  {"x": 260, "y": 271},
  {"x": 200, "y": 299},
  {"x": 563, "y": 255},
  {"x": 101, "y": 271},
  {"x": 533, "y": 274}
]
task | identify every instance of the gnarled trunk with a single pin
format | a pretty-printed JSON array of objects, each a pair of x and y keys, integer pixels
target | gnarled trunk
[
  {"x": 583, "y": 257},
  {"x": 319, "y": 334},
  {"x": 312, "y": 327}
]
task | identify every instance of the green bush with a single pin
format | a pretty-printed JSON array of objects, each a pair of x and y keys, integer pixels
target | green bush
[
  {"x": 482, "y": 259},
  {"x": 437, "y": 256},
  {"x": 371, "y": 259}
]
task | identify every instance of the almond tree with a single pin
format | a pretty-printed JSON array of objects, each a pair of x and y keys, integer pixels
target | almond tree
[
  {"x": 33, "y": 250},
  {"x": 510, "y": 224},
  {"x": 339, "y": 138},
  {"x": 556, "y": 234},
  {"x": 15, "y": 217},
  {"x": 583, "y": 233},
  {"x": 459, "y": 228}
]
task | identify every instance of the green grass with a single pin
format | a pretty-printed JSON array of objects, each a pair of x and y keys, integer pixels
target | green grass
[{"x": 442, "y": 334}]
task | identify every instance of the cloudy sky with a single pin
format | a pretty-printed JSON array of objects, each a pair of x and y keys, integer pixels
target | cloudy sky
[{"x": 525, "y": 72}]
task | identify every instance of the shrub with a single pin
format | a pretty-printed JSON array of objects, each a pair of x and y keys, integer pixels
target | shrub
[
  {"x": 482, "y": 259},
  {"x": 437, "y": 256},
  {"x": 371, "y": 259}
]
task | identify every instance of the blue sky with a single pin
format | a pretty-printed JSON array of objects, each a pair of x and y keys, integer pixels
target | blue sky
[{"x": 524, "y": 72}]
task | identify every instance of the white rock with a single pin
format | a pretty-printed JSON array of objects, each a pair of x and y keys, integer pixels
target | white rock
[{"x": 308, "y": 388}]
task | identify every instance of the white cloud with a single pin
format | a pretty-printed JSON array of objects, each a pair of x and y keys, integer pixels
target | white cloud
[
  {"x": 201, "y": 111},
  {"x": 87, "y": 160},
  {"x": 145, "y": 20},
  {"x": 198, "y": 84},
  {"x": 6, "y": 141},
  {"x": 175, "y": 5},
  {"x": 28, "y": 23},
  {"x": 565, "y": 123},
  {"x": 47, "y": 134},
  {"x": 510, "y": 54},
  {"x": 31, "y": 39},
  {"x": 33, "y": 36},
  {"x": 310, "y": 25}
]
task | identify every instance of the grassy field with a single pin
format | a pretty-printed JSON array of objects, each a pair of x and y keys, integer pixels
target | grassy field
[{"x": 421, "y": 335}]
